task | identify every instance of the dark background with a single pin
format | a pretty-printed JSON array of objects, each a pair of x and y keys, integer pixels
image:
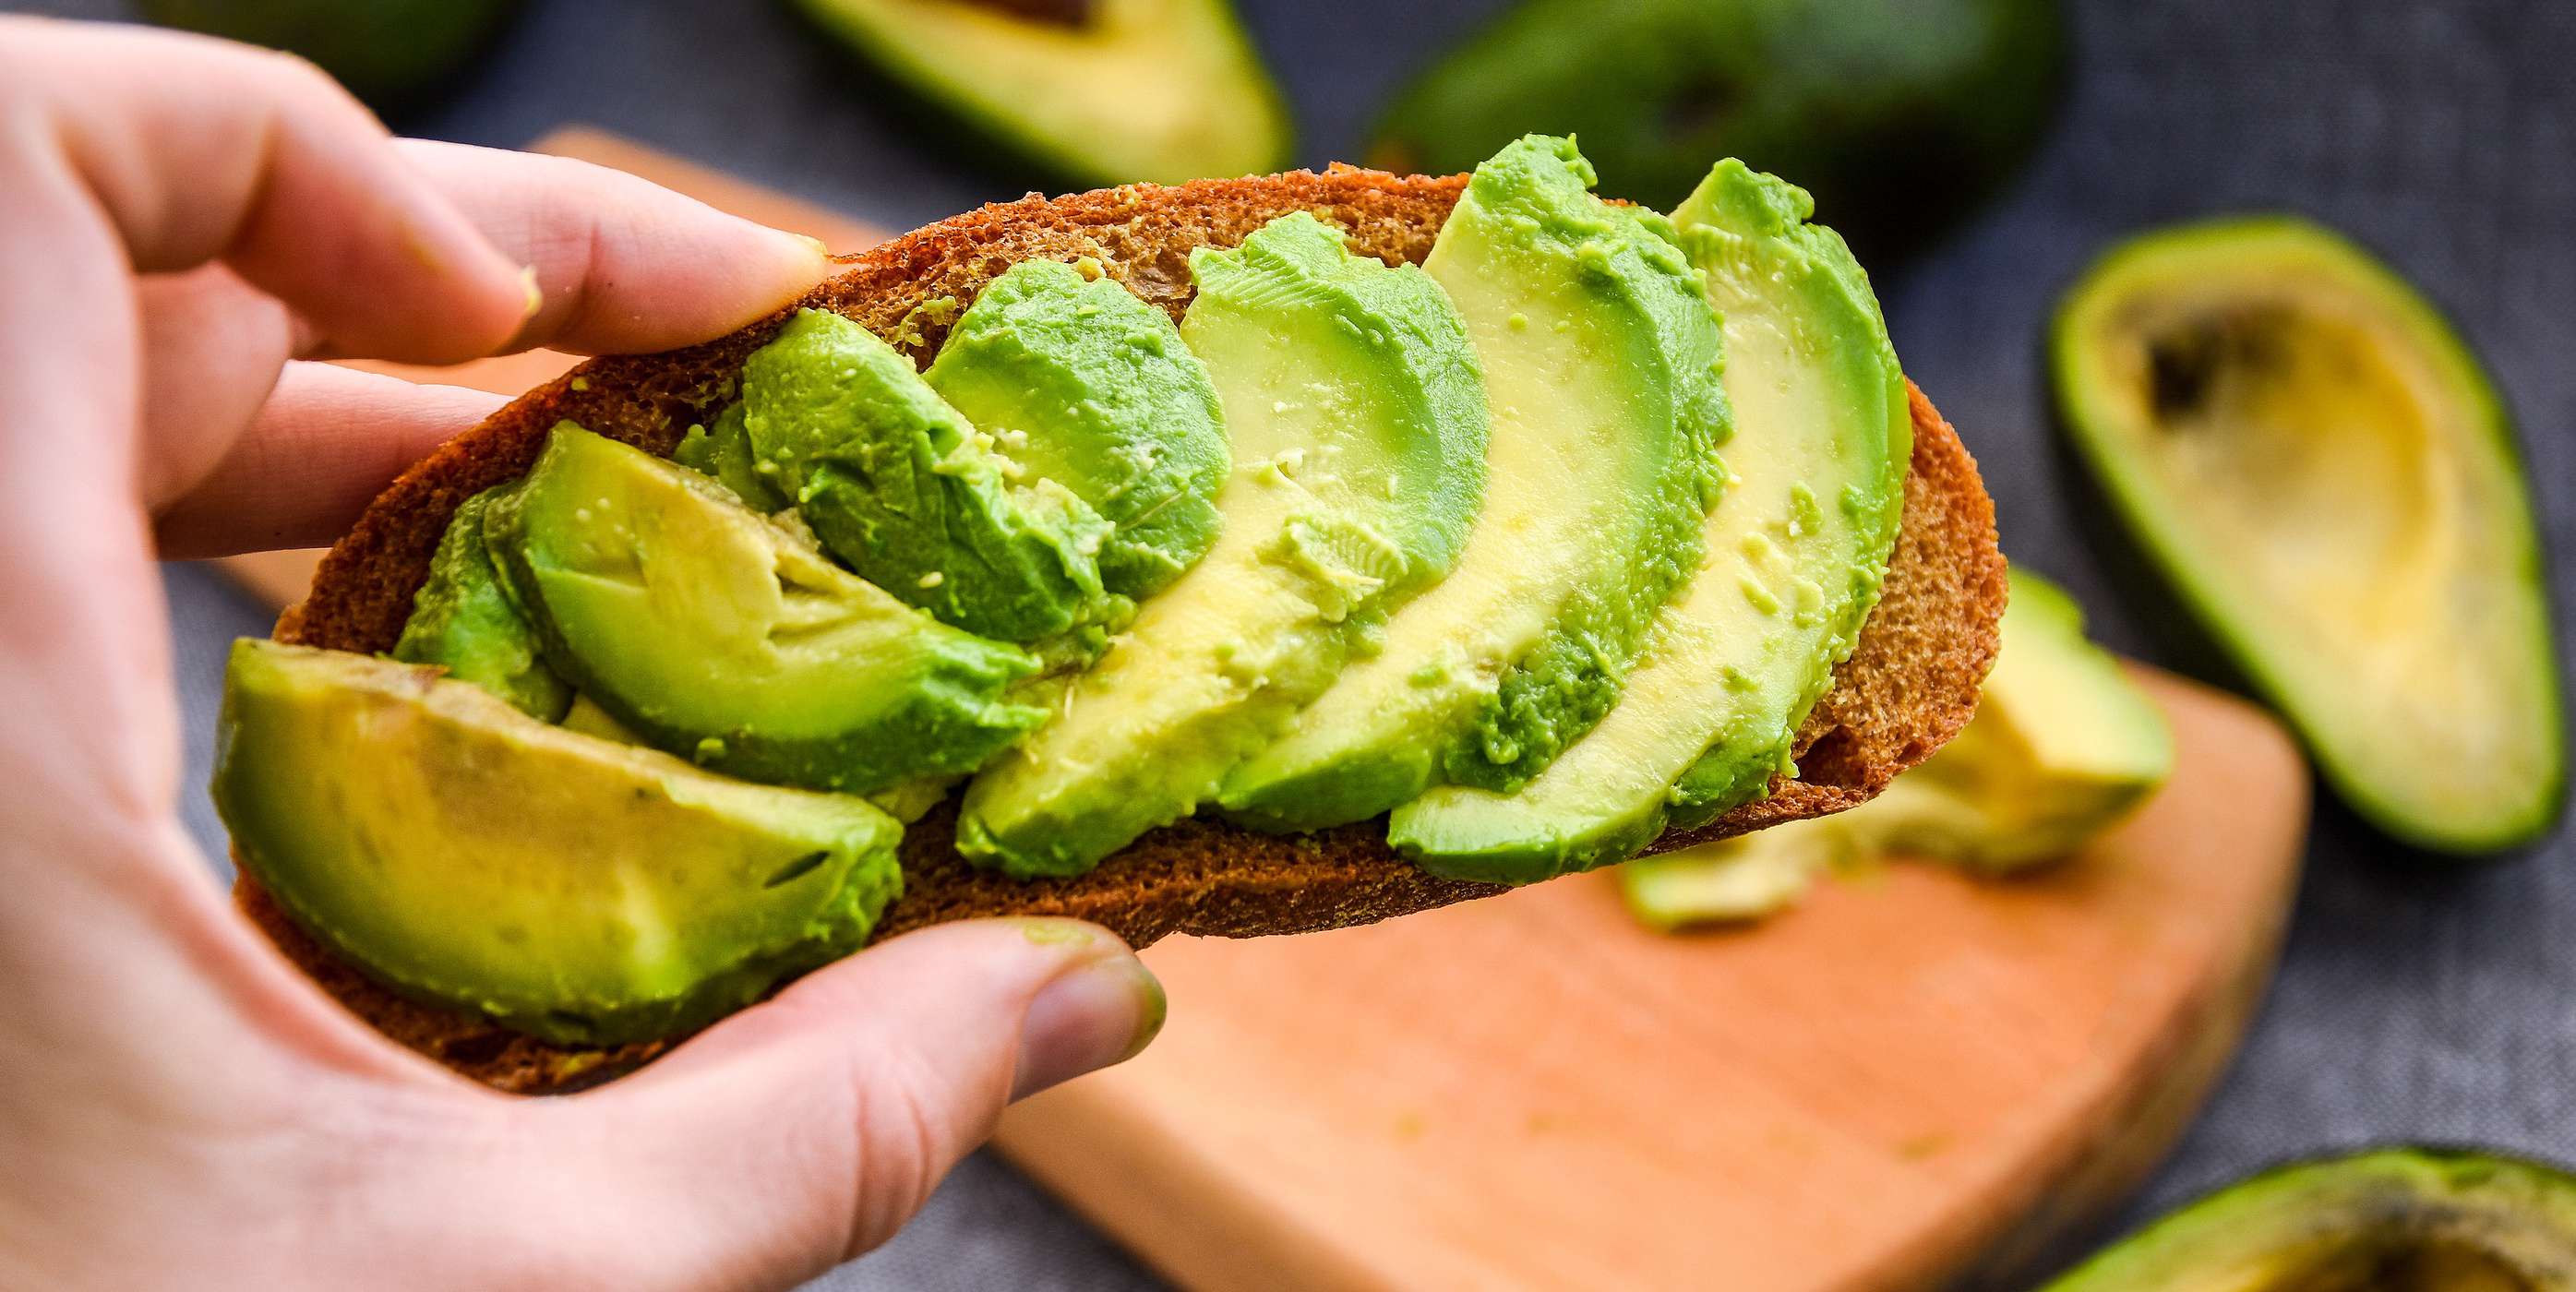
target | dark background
[{"x": 2417, "y": 1001}]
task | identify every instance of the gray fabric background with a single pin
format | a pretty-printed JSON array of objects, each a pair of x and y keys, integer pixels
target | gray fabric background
[{"x": 2416, "y": 1001}]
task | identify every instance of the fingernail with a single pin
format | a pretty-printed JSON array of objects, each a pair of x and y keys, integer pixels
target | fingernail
[
  {"x": 1099, "y": 1013},
  {"x": 814, "y": 242},
  {"x": 536, "y": 295}
]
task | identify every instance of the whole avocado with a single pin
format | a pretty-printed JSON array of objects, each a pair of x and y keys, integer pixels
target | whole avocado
[
  {"x": 1898, "y": 115},
  {"x": 388, "y": 52}
]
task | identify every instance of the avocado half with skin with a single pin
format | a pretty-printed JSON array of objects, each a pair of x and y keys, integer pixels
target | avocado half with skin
[
  {"x": 2387, "y": 1220},
  {"x": 2324, "y": 472}
]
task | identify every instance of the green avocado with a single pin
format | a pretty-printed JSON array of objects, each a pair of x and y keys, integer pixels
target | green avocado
[
  {"x": 391, "y": 53},
  {"x": 725, "y": 638},
  {"x": 2063, "y": 746},
  {"x": 1092, "y": 91},
  {"x": 1077, "y": 381},
  {"x": 463, "y": 620},
  {"x": 2382, "y": 1220},
  {"x": 1899, "y": 115},
  {"x": 1357, "y": 417},
  {"x": 2323, "y": 472},
  {"x": 587, "y": 892},
  {"x": 903, "y": 489},
  {"x": 1790, "y": 561},
  {"x": 1601, "y": 359},
  {"x": 725, "y": 453}
]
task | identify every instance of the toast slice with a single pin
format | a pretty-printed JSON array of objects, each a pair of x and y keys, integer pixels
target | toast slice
[{"x": 1909, "y": 685}]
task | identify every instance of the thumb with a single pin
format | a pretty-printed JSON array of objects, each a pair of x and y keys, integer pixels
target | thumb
[{"x": 807, "y": 1130}]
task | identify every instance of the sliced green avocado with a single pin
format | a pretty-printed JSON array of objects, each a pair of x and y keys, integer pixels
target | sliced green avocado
[
  {"x": 2063, "y": 747},
  {"x": 723, "y": 637},
  {"x": 1601, "y": 363},
  {"x": 725, "y": 453},
  {"x": 2324, "y": 473},
  {"x": 584, "y": 891},
  {"x": 904, "y": 490},
  {"x": 1094, "y": 91},
  {"x": 1790, "y": 561},
  {"x": 463, "y": 620},
  {"x": 1077, "y": 381},
  {"x": 1357, "y": 417},
  {"x": 2383, "y": 1220}
]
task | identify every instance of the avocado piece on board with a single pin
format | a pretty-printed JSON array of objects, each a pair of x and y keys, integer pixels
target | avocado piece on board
[
  {"x": 1601, "y": 361},
  {"x": 2063, "y": 747},
  {"x": 1790, "y": 562},
  {"x": 2323, "y": 472},
  {"x": 1899, "y": 115},
  {"x": 1357, "y": 417},
  {"x": 1096, "y": 92},
  {"x": 583, "y": 891},
  {"x": 1077, "y": 381},
  {"x": 2382, "y": 1220},
  {"x": 724, "y": 452},
  {"x": 723, "y": 637},
  {"x": 903, "y": 489},
  {"x": 463, "y": 620}
]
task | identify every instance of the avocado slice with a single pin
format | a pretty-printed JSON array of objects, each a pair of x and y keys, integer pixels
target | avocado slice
[
  {"x": 580, "y": 890},
  {"x": 1601, "y": 362},
  {"x": 1077, "y": 381},
  {"x": 725, "y": 453},
  {"x": 463, "y": 620},
  {"x": 1094, "y": 91},
  {"x": 2383, "y": 1220},
  {"x": 2324, "y": 473},
  {"x": 1357, "y": 417},
  {"x": 726, "y": 638},
  {"x": 903, "y": 489},
  {"x": 1789, "y": 561},
  {"x": 2063, "y": 747}
]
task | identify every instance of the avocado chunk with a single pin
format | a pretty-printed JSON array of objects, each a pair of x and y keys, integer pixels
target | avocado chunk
[
  {"x": 1356, "y": 414},
  {"x": 725, "y": 638},
  {"x": 2063, "y": 747},
  {"x": 2323, "y": 473},
  {"x": 580, "y": 890},
  {"x": 1899, "y": 115},
  {"x": 463, "y": 620},
  {"x": 2382, "y": 1220},
  {"x": 1601, "y": 363},
  {"x": 904, "y": 490},
  {"x": 1790, "y": 561},
  {"x": 725, "y": 453},
  {"x": 1093, "y": 91},
  {"x": 1077, "y": 381}
]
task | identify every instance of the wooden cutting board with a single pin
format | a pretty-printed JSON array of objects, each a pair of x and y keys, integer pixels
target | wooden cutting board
[{"x": 1913, "y": 1077}]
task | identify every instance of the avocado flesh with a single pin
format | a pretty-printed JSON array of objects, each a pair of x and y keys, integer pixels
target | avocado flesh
[
  {"x": 2063, "y": 747},
  {"x": 463, "y": 620},
  {"x": 583, "y": 891},
  {"x": 905, "y": 491},
  {"x": 1601, "y": 365},
  {"x": 2323, "y": 472},
  {"x": 724, "y": 452},
  {"x": 1790, "y": 562},
  {"x": 725, "y": 638},
  {"x": 1079, "y": 382},
  {"x": 1357, "y": 419},
  {"x": 2385, "y": 1220},
  {"x": 1156, "y": 90}
]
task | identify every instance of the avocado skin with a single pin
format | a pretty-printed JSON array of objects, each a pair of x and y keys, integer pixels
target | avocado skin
[
  {"x": 2404, "y": 1216},
  {"x": 464, "y": 621},
  {"x": 724, "y": 452},
  {"x": 1899, "y": 115}
]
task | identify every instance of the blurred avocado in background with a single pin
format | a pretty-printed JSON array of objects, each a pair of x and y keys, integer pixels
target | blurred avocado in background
[
  {"x": 1900, "y": 116},
  {"x": 1090, "y": 92},
  {"x": 390, "y": 53}
]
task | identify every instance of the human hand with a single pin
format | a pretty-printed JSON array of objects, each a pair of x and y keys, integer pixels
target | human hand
[{"x": 184, "y": 223}]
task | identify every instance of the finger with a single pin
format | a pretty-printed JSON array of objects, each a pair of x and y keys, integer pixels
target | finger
[
  {"x": 624, "y": 265},
  {"x": 804, "y": 1131},
  {"x": 212, "y": 347},
  {"x": 327, "y": 441}
]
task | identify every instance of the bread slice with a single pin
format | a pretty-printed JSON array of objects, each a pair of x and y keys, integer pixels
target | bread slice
[{"x": 1909, "y": 685}]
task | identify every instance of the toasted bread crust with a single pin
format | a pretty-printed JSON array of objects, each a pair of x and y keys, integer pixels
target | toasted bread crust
[{"x": 1909, "y": 685}]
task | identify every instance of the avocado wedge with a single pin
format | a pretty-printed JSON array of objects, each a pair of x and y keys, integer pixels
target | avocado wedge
[
  {"x": 580, "y": 890},
  {"x": 2386, "y": 1220},
  {"x": 464, "y": 621},
  {"x": 2324, "y": 472},
  {"x": 1094, "y": 91}
]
